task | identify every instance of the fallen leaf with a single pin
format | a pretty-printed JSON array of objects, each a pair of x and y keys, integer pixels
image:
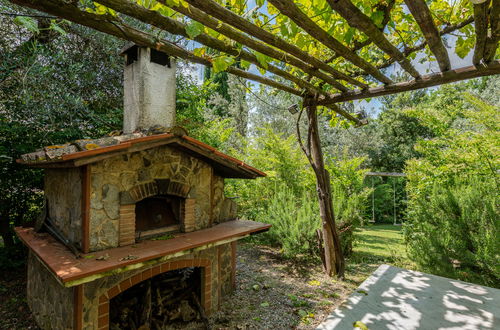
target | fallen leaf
[
  {"x": 129, "y": 257},
  {"x": 360, "y": 325},
  {"x": 103, "y": 257}
]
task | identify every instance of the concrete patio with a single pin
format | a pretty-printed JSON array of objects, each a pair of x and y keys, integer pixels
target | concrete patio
[{"x": 396, "y": 298}]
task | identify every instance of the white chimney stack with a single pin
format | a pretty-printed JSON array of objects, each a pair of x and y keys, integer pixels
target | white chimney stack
[{"x": 149, "y": 89}]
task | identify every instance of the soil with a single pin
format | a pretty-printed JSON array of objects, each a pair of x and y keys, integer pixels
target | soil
[{"x": 271, "y": 293}]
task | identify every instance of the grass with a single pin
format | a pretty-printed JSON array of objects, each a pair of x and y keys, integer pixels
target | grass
[{"x": 380, "y": 243}]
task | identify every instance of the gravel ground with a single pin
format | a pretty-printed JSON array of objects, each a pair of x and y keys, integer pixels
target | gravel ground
[{"x": 271, "y": 293}]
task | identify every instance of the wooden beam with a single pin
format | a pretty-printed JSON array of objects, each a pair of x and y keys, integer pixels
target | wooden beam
[
  {"x": 491, "y": 46},
  {"x": 394, "y": 174},
  {"x": 386, "y": 9},
  {"x": 420, "y": 46},
  {"x": 347, "y": 115},
  {"x": 229, "y": 19},
  {"x": 360, "y": 21},
  {"x": 425, "y": 82},
  {"x": 78, "y": 307},
  {"x": 290, "y": 9},
  {"x": 175, "y": 27},
  {"x": 106, "y": 24},
  {"x": 481, "y": 28},
  {"x": 423, "y": 16}
]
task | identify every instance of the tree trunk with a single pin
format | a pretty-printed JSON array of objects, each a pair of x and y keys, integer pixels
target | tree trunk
[{"x": 333, "y": 257}]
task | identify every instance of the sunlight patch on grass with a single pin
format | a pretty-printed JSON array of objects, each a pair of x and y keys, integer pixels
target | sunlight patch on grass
[{"x": 381, "y": 244}]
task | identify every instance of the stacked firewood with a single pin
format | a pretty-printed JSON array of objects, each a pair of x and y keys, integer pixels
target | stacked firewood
[{"x": 166, "y": 300}]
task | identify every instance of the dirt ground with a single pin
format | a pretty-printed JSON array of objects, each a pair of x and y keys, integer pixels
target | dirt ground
[{"x": 271, "y": 293}]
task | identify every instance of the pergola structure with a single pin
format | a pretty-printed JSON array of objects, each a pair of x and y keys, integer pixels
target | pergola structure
[{"x": 326, "y": 51}]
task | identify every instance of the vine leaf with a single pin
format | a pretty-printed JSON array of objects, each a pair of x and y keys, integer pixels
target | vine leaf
[
  {"x": 194, "y": 29},
  {"x": 221, "y": 63}
]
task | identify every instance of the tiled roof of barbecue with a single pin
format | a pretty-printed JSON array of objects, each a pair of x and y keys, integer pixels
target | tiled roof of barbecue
[{"x": 82, "y": 152}]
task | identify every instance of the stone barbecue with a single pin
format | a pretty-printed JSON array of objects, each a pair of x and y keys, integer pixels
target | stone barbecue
[{"x": 136, "y": 231}]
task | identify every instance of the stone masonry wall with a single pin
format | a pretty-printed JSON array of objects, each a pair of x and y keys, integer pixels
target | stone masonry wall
[
  {"x": 121, "y": 173},
  {"x": 220, "y": 277},
  {"x": 50, "y": 302},
  {"x": 63, "y": 190}
]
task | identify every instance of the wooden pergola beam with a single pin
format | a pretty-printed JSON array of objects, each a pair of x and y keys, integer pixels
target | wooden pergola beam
[
  {"x": 386, "y": 8},
  {"x": 360, "y": 21},
  {"x": 423, "y": 16},
  {"x": 337, "y": 109},
  {"x": 105, "y": 24},
  {"x": 227, "y": 17},
  {"x": 290, "y": 9},
  {"x": 426, "y": 81},
  {"x": 491, "y": 46},
  {"x": 172, "y": 26},
  {"x": 420, "y": 46},
  {"x": 237, "y": 36},
  {"x": 481, "y": 29}
]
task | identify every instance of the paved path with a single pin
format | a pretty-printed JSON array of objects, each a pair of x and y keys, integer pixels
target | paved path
[{"x": 399, "y": 299}]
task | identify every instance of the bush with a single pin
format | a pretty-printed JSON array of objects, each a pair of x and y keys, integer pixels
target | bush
[
  {"x": 295, "y": 220},
  {"x": 453, "y": 231},
  {"x": 453, "y": 207},
  {"x": 349, "y": 198},
  {"x": 287, "y": 197}
]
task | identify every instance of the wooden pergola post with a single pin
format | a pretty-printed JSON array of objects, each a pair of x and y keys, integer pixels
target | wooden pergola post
[{"x": 333, "y": 258}]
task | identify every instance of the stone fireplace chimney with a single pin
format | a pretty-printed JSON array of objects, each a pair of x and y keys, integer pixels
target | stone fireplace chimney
[{"x": 149, "y": 89}]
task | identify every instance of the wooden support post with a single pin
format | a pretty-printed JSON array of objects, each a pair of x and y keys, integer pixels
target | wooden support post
[
  {"x": 78, "y": 307},
  {"x": 333, "y": 257}
]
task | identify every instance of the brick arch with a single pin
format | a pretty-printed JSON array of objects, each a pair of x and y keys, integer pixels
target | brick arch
[
  {"x": 156, "y": 187},
  {"x": 206, "y": 285}
]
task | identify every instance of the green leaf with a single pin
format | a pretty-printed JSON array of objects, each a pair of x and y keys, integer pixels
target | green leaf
[
  {"x": 263, "y": 59},
  {"x": 199, "y": 51},
  {"x": 377, "y": 18},
  {"x": 349, "y": 34},
  {"x": 264, "y": 304},
  {"x": 28, "y": 22},
  {"x": 54, "y": 26},
  {"x": 221, "y": 63},
  {"x": 245, "y": 64},
  {"x": 462, "y": 47},
  {"x": 194, "y": 29},
  {"x": 259, "y": 3}
]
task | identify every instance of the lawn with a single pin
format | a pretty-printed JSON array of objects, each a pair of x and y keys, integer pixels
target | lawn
[
  {"x": 377, "y": 244},
  {"x": 381, "y": 241}
]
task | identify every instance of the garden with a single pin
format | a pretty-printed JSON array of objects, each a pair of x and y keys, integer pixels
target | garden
[{"x": 436, "y": 212}]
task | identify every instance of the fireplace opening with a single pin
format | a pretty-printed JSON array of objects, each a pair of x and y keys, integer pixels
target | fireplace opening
[
  {"x": 168, "y": 300},
  {"x": 157, "y": 215}
]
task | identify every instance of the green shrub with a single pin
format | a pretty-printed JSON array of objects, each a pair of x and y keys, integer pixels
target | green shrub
[
  {"x": 349, "y": 198},
  {"x": 453, "y": 231},
  {"x": 453, "y": 207},
  {"x": 295, "y": 220}
]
